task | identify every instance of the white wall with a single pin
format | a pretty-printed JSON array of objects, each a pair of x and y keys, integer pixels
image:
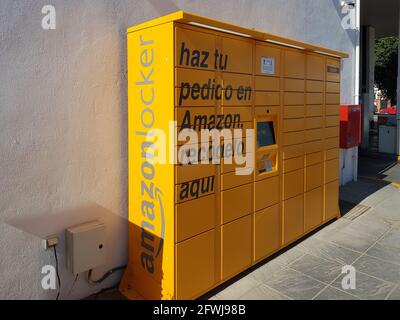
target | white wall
[{"x": 63, "y": 157}]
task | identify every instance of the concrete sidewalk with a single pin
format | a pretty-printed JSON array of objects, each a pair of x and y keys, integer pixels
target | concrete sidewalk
[{"x": 367, "y": 237}]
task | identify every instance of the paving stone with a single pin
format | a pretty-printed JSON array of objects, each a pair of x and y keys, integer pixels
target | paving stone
[
  {"x": 266, "y": 272},
  {"x": 388, "y": 253},
  {"x": 373, "y": 217},
  {"x": 367, "y": 288},
  {"x": 287, "y": 257},
  {"x": 237, "y": 289},
  {"x": 328, "y": 250},
  {"x": 390, "y": 208},
  {"x": 355, "y": 241},
  {"x": 395, "y": 295},
  {"x": 373, "y": 230},
  {"x": 378, "y": 268},
  {"x": 331, "y": 293},
  {"x": 391, "y": 239},
  {"x": 318, "y": 268},
  {"x": 263, "y": 292},
  {"x": 291, "y": 283}
]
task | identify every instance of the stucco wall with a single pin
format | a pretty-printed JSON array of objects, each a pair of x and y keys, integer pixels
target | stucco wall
[{"x": 63, "y": 141}]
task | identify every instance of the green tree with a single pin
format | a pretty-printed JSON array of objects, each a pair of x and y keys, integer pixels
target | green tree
[{"x": 386, "y": 51}]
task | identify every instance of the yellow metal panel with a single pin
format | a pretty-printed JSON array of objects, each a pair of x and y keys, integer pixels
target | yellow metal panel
[
  {"x": 314, "y": 86},
  {"x": 195, "y": 216},
  {"x": 315, "y": 67},
  {"x": 264, "y": 199},
  {"x": 293, "y": 183},
  {"x": 238, "y": 53},
  {"x": 314, "y": 123},
  {"x": 265, "y": 111},
  {"x": 232, "y": 179},
  {"x": 184, "y": 98},
  {"x": 290, "y": 138},
  {"x": 314, "y": 98},
  {"x": 267, "y": 98},
  {"x": 313, "y": 134},
  {"x": 193, "y": 117},
  {"x": 331, "y": 143},
  {"x": 244, "y": 114},
  {"x": 237, "y": 202},
  {"x": 313, "y": 215},
  {"x": 314, "y": 111},
  {"x": 331, "y": 200},
  {"x": 332, "y": 121},
  {"x": 293, "y": 98},
  {"x": 331, "y": 170},
  {"x": 230, "y": 167},
  {"x": 332, "y": 154},
  {"x": 292, "y": 151},
  {"x": 314, "y": 146},
  {"x": 184, "y": 77},
  {"x": 242, "y": 97},
  {"x": 267, "y": 83},
  {"x": 237, "y": 80},
  {"x": 295, "y": 85},
  {"x": 192, "y": 190},
  {"x": 290, "y": 125},
  {"x": 294, "y": 64},
  {"x": 332, "y": 110},
  {"x": 314, "y": 158},
  {"x": 293, "y": 164},
  {"x": 195, "y": 270},
  {"x": 189, "y": 172},
  {"x": 314, "y": 176},
  {"x": 194, "y": 49},
  {"x": 244, "y": 126},
  {"x": 293, "y": 219},
  {"x": 332, "y": 87},
  {"x": 290, "y": 112},
  {"x": 332, "y": 98},
  {"x": 151, "y": 269},
  {"x": 236, "y": 246},
  {"x": 331, "y": 132},
  {"x": 333, "y": 70},
  {"x": 266, "y": 232}
]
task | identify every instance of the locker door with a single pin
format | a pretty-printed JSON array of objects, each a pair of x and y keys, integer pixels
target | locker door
[
  {"x": 236, "y": 246},
  {"x": 195, "y": 270},
  {"x": 266, "y": 232},
  {"x": 313, "y": 204},
  {"x": 293, "y": 218}
]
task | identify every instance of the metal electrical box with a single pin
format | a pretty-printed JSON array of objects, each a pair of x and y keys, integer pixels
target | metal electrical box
[
  {"x": 86, "y": 246},
  {"x": 350, "y": 126},
  {"x": 193, "y": 225}
]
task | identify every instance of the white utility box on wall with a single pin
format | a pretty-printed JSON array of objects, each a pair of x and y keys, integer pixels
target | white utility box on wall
[
  {"x": 86, "y": 248},
  {"x": 387, "y": 139}
]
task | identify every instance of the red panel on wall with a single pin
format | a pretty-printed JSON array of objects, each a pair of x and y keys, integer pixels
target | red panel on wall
[{"x": 350, "y": 126}]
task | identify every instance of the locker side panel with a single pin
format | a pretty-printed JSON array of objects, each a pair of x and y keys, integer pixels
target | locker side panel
[{"x": 150, "y": 271}]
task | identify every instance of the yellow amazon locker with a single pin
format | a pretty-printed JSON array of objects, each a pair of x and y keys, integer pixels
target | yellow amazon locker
[{"x": 233, "y": 150}]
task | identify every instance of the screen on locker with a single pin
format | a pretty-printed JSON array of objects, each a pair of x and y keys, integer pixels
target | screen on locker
[{"x": 265, "y": 134}]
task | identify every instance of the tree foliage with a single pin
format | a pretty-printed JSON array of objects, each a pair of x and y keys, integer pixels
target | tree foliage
[{"x": 386, "y": 52}]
